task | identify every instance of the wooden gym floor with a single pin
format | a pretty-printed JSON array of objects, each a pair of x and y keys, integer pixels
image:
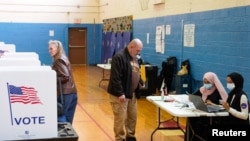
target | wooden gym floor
[{"x": 94, "y": 118}]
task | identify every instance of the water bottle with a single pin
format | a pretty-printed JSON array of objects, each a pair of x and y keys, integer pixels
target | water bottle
[
  {"x": 165, "y": 90},
  {"x": 162, "y": 94}
]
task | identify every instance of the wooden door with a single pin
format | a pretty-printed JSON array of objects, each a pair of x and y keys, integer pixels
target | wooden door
[{"x": 78, "y": 46}]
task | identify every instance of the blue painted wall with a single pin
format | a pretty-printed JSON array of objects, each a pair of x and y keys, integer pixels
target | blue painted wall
[
  {"x": 33, "y": 37},
  {"x": 222, "y": 42}
]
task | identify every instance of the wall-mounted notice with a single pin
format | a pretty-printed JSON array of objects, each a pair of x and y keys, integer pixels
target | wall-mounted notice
[
  {"x": 168, "y": 29},
  {"x": 147, "y": 38},
  {"x": 159, "y": 39},
  {"x": 188, "y": 40},
  {"x": 51, "y": 33}
]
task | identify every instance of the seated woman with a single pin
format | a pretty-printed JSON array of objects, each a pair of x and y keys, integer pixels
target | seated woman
[
  {"x": 211, "y": 92},
  {"x": 237, "y": 102}
]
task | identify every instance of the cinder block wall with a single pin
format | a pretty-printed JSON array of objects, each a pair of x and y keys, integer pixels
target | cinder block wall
[{"x": 222, "y": 42}]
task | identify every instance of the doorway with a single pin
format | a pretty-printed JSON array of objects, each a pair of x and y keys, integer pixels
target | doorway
[{"x": 77, "y": 46}]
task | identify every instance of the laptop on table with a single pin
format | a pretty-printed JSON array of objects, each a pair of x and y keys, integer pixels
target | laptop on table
[{"x": 200, "y": 105}]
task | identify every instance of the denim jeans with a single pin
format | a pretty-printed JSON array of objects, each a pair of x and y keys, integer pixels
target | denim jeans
[{"x": 70, "y": 103}]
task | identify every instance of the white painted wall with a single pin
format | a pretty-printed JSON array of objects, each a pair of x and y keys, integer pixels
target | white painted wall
[
  {"x": 90, "y": 11},
  {"x": 49, "y": 11},
  {"x": 117, "y": 8}
]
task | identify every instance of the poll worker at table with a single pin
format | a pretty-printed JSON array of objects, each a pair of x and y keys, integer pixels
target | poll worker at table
[
  {"x": 123, "y": 87},
  {"x": 211, "y": 92},
  {"x": 237, "y": 102}
]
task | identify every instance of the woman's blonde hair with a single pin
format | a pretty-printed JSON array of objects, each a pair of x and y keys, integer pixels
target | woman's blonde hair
[{"x": 60, "y": 50}]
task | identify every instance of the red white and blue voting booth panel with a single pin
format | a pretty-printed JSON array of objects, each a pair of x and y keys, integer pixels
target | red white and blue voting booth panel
[{"x": 28, "y": 103}]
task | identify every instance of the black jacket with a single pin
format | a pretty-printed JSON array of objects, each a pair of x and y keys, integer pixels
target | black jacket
[
  {"x": 121, "y": 75},
  {"x": 236, "y": 105}
]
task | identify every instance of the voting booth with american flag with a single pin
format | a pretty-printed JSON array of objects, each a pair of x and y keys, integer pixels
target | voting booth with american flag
[
  {"x": 28, "y": 104},
  {"x": 28, "y": 97}
]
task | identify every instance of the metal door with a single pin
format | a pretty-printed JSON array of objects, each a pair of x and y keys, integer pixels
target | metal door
[{"x": 78, "y": 46}]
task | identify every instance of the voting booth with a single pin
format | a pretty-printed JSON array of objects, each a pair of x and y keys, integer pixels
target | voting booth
[
  {"x": 19, "y": 59},
  {"x": 29, "y": 99},
  {"x": 19, "y": 62},
  {"x": 27, "y": 91},
  {"x": 7, "y": 47},
  {"x": 27, "y": 94},
  {"x": 29, "y": 55}
]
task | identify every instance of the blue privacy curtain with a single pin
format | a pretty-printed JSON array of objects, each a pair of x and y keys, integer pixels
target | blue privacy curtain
[
  {"x": 126, "y": 38},
  {"x": 106, "y": 38},
  {"x": 118, "y": 42},
  {"x": 117, "y": 33}
]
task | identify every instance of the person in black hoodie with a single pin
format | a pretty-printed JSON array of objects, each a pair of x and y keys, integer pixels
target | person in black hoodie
[{"x": 237, "y": 103}]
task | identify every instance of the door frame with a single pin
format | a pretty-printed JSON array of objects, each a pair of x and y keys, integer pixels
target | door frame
[{"x": 86, "y": 44}]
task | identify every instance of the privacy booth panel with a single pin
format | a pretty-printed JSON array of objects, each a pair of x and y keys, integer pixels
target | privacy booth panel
[{"x": 117, "y": 33}]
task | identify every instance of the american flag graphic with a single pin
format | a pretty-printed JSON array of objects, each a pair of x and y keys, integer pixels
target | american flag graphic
[{"x": 23, "y": 95}]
